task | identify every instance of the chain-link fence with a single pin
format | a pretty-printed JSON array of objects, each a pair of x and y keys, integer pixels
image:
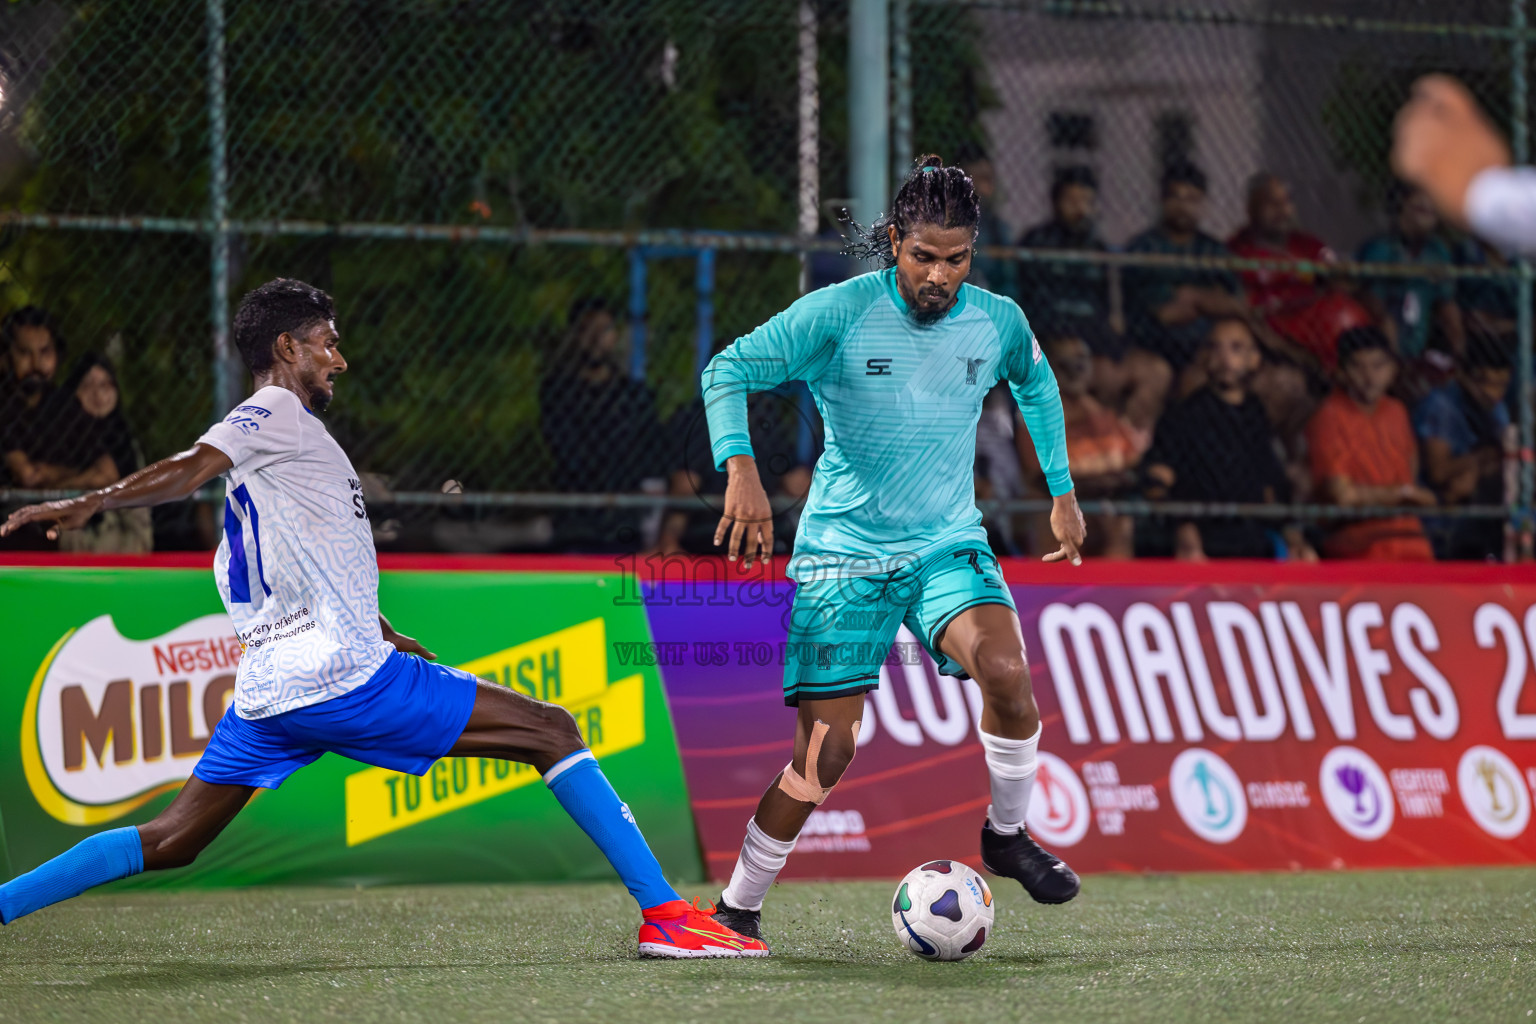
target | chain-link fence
[{"x": 538, "y": 219}]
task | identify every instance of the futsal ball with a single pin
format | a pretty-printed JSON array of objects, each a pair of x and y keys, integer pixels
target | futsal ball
[{"x": 942, "y": 910}]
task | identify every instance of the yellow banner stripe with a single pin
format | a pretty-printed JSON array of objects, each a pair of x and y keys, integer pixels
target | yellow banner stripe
[
  {"x": 568, "y": 667},
  {"x": 380, "y": 801}
]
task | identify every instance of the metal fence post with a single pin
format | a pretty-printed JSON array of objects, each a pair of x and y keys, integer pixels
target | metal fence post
[
  {"x": 869, "y": 107},
  {"x": 901, "y": 71},
  {"x": 639, "y": 272},
  {"x": 224, "y": 379},
  {"x": 1519, "y": 137},
  {"x": 809, "y": 193},
  {"x": 704, "y": 285}
]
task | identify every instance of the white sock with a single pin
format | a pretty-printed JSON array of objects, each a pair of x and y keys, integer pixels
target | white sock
[
  {"x": 762, "y": 858},
  {"x": 1011, "y": 766}
]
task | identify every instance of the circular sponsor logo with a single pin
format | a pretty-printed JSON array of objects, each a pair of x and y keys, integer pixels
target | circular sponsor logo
[
  {"x": 1208, "y": 795},
  {"x": 1355, "y": 789},
  {"x": 1493, "y": 792},
  {"x": 1058, "y": 808}
]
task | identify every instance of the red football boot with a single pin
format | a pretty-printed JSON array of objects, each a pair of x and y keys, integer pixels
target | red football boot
[{"x": 680, "y": 929}]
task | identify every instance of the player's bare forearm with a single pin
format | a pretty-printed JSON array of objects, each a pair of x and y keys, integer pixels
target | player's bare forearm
[{"x": 170, "y": 479}]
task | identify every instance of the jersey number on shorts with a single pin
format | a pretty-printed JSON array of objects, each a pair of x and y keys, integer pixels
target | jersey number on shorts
[
  {"x": 975, "y": 560},
  {"x": 234, "y": 532}
]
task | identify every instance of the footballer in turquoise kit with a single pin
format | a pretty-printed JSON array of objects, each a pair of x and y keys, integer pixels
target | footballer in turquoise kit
[{"x": 898, "y": 362}]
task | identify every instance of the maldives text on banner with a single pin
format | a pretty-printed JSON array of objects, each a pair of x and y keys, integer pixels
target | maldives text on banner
[{"x": 1188, "y": 727}]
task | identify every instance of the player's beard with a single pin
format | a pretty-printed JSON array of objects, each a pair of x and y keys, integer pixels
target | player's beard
[
  {"x": 318, "y": 399},
  {"x": 929, "y": 315}
]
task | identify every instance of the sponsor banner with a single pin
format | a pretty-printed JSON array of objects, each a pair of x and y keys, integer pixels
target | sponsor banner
[
  {"x": 1200, "y": 726},
  {"x": 114, "y": 685}
]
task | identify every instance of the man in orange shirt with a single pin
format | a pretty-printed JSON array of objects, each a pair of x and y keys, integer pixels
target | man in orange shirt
[{"x": 1363, "y": 453}]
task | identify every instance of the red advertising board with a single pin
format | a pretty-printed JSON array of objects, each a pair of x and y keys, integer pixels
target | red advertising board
[
  {"x": 1219, "y": 717},
  {"x": 1241, "y": 717}
]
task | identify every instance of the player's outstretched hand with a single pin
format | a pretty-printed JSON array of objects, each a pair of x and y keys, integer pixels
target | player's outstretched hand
[
  {"x": 1442, "y": 140},
  {"x": 747, "y": 512},
  {"x": 1070, "y": 530},
  {"x": 69, "y": 514},
  {"x": 402, "y": 643}
]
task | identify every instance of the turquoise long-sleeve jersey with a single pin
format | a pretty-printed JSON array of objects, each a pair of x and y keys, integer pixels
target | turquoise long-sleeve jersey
[{"x": 900, "y": 399}]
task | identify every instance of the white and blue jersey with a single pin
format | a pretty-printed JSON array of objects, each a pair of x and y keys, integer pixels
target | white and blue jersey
[{"x": 296, "y": 568}]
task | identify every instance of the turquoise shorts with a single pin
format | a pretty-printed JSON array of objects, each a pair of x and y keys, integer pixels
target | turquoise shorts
[{"x": 841, "y": 627}]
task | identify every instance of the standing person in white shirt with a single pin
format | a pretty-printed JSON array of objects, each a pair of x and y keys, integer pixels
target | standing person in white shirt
[
  {"x": 1447, "y": 145},
  {"x": 322, "y": 670}
]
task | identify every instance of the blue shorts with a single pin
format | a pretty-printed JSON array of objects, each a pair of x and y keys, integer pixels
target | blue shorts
[
  {"x": 841, "y": 628},
  {"x": 409, "y": 714}
]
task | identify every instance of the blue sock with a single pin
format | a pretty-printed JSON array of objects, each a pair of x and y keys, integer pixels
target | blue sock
[
  {"x": 583, "y": 790},
  {"x": 103, "y": 857}
]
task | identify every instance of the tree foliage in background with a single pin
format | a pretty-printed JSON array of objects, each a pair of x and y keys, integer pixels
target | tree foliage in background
[{"x": 583, "y": 114}]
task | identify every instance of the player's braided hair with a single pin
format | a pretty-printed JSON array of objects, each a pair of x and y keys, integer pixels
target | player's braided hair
[
  {"x": 932, "y": 194},
  {"x": 281, "y": 306}
]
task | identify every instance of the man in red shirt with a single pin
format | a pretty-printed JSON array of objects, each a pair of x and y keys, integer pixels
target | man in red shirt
[
  {"x": 1363, "y": 453},
  {"x": 1271, "y": 234},
  {"x": 1299, "y": 305}
]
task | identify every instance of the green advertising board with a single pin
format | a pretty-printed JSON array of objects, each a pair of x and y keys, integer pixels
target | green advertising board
[{"x": 109, "y": 690}]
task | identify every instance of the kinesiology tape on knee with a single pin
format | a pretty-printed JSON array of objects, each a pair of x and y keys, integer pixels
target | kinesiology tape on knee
[{"x": 808, "y": 787}]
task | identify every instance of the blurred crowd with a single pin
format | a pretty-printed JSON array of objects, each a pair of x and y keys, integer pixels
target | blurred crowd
[
  {"x": 1198, "y": 384},
  {"x": 1180, "y": 383},
  {"x": 64, "y": 436}
]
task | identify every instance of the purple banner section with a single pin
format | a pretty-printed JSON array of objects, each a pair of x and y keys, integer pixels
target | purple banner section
[
  {"x": 1274, "y": 723},
  {"x": 917, "y": 789}
]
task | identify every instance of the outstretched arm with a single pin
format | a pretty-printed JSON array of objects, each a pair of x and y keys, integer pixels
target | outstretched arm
[{"x": 167, "y": 480}]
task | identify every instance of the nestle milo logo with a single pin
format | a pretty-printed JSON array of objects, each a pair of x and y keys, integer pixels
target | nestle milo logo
[{"x": 110, "y": 722}]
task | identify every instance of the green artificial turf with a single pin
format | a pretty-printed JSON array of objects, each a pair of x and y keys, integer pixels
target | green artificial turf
[{"x": 1369, "y": 946}]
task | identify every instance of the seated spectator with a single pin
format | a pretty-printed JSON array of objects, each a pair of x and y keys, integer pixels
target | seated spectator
[
  {"x": 1217, "y": 446},
  {"x": 602, "y": 430},
  {"x": 1102, "y": 448},
  {"x": 33, "y": 349},
  {"x": 84, "y": 443},
  {"x": 1413, "y": 309},
  {"x": 1300, "y": 306},
  {"x": 1170, "y": 310},
  {"x": 81, "y": 440},
  {"x": 1486, "y": 304},
  {"x": 1462, "y": 427},
  {"x": 1317, "y": 327},
  {"x": 1271, "y": 234},
  {"x": 995, "y": 275},
  {"x": 1363, "y": 453}
]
